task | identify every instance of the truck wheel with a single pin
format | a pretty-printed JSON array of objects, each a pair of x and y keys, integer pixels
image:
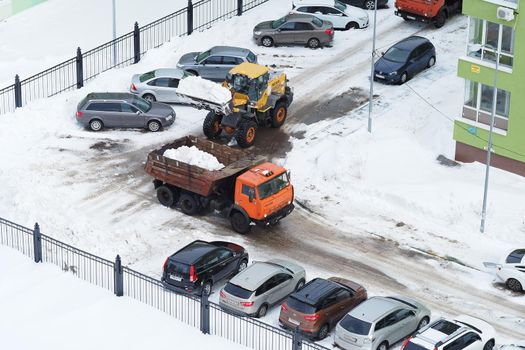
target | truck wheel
[
  {"x": 246, "y": 134},
  {"x": 440, "y": 20},
  {"x": 240, "y": 223},
  {"x": 189, "y": 204},
  {"x": 167, "y": 196},
  {"x": 279, "y": 113},
  {"x": 212, "y": 125}
]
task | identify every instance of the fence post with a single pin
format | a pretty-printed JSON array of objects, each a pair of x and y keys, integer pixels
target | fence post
[
  {"x": 18, "y": 92},
  {"x": 80, "y": 69},
  {"x": 239, "y": 7},
  {"x": 205, "y": 314},
  {"x": 297, "y": 339},
  {"x": 136, "y": 42},
  {"x": 119, "y": 277},
  {"x": 190, "y": 17},
  {"x": 37, "y": 243}
]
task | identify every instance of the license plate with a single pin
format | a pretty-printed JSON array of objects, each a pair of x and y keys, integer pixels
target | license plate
[
  {"x": 295, "y": 322},
  {"x": 176, "y": 278},
  {"x": 380, "y": 76}
]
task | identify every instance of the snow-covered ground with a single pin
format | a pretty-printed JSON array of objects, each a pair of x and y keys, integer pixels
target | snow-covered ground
[
  {"x": 89, "y": 189},
  {"x": 42, "y": 307}
]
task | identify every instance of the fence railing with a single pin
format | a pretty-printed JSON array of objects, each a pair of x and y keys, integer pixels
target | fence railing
[
  {"x": 121, "y": 52},
  {"x": 195, "y": 311}
]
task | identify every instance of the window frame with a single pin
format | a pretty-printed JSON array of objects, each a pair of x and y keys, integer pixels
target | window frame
[
  {"x": 469, "y": 86},
  {"x": 484, "y": 50}
]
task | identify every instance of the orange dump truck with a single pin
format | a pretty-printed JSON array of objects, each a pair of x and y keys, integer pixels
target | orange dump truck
[
  {"x": 434, "y": 11},
  {"x": 248, "y": 190}
]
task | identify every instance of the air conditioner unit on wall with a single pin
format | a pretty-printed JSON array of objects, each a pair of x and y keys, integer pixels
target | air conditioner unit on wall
[{"x": 505, "y": 13}]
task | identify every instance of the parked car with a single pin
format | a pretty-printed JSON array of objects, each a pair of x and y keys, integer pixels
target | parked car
[
  {"x": 158, "y": 85},
  {"x": 404, "y": 60},
  {"x": 464, "y": 332},
  {"x": 379, "y": 322},
  {"x": 200, "y": 265},
  {"x": 295, "y": 29},
  {"x": 341, "y": 15},
  {"x": 260, "y": 286},
  {"x": 100, "y": 110},
  {"x": 366, "y": 4},
  {"x": 511, "y": 270},
  {"x": 320, "y": 304},
  {"x": 215, "y": 63}
]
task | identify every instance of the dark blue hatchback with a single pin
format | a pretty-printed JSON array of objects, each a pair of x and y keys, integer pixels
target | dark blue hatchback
[{"x": 404, "y": 60}]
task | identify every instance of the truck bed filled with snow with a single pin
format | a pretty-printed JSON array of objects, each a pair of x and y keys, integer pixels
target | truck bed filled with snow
[
  {"x": 204, "y": 89},
  {"x": 194, "y": 156}
]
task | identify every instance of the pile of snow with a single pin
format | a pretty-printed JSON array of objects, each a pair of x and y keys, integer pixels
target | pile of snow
[
  {"x": 194, "y": 156},
  {"x": 204, "y": 89}
]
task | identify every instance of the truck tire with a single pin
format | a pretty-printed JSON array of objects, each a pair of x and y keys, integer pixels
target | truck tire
[
  {"x": 246, "y": 134},
  {"x": 189, "y": 204},
  {"x": 240, "y": 223},
  {"x": 212, "y": 125},
  {"x": 440, "y": 19},
  {"x": 167, "y": 196},
  {"x": 279, "y": 113}
]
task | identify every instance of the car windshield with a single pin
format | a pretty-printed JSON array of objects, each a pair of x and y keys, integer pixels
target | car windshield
[
  {"x": 237, "y": 291},
  {"x": 300, "y": 306},
  {"x": 355, "y": 325},
  {"x": 147, "y": 76},
  {"x": 317, "y": 22},
  {"x": 339, "y": 5},
  {"x": 202, "y": 56},
  {"x": 279, "y": 22},
  {"x": 273, "y": 186},
  {"x": 515, "y": 257},
  {"x": 142, "y": 104},
  {"x": 396, "y": 55},
  {"x": 412, "y": 346}
]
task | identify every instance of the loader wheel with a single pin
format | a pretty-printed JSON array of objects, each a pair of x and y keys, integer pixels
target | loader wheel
[
  {"x": 167, "y": 196},
  {"x": 279, "y": 114},
  {"x": 240, "y": 223},
  {"x": 189, "y": 204},
  {"x": 212, "y": 125},
  {"x": 246, "y": 134}
]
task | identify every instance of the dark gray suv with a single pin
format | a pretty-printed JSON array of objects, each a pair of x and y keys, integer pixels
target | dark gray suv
[{"x": 123, "y": 110}]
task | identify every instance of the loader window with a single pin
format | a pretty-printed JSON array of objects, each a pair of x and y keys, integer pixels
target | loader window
[{"x": 273, "y": 186}]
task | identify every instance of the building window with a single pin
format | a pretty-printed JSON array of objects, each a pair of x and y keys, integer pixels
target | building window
[
  {"x": 478, "y": 104},
  {"x": 500, "y": 37}
]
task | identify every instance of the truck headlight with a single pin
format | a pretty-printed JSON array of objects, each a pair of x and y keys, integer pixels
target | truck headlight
[{"x": 257, "y": 33}]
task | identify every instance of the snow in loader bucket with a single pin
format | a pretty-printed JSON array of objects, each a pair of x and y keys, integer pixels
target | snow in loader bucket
[{"x": 206, "y": 94}]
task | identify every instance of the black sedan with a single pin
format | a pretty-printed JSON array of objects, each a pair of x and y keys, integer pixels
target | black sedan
[
  {"x": 404, "y": 60},
  {"x": 199, "y": 265}
]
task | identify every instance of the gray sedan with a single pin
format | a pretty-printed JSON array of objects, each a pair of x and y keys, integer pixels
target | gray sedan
[
  {"x": 158, "y": 85},
  {"x": 263, "y": 284},
  {"x": 122, "y": 110},
  {"x": 215, "y": 63},
  {"x": 380, "y": 322}
]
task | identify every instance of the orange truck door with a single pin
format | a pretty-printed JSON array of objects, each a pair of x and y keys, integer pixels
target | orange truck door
[{"x": 243, "y": 200}]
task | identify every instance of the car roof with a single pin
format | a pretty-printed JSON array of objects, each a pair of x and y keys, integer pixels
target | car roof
[
  {"x": 192, "y": 252},
  {"x": 299, "y": 17},
  {"x": 411, "y": 42},
  {"x": 109, "y": 96},
  {"x": 229, "y": 50},
  {"x": 315, "y": 290},
  {"x": 375, "y": 308},
  {"x": 256, "y": 274},
  {"x": 169, "y": 72}
]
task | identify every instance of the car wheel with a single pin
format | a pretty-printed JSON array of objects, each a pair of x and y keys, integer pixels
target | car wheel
[
  {"x": 167, "y": 196},
  {"x": 267, "y": 41},
  {"x": 423, "y": 322},
  {"x": 149, "y": 97},
  {"x": 212, "y": 125},
  {"x": 489, "y": 345},
  {"x": 514, "y": 285},
  {"x": 279, "y": 113},
  {"x": 323, "y": 332},
  {"x": 153, "y": 126},
  {"x": 313, "y": 43},
  {"x": 353, "y": 25},
  {"x": 246, "y": 134},
  {"x": 369, "y": 4},
  {"x": 240, "y": 223},
  {"x": 96, "y": 125},
  {"x": 207, "y": 287},
  {"x": 431, "y": 62},
  {"x": 262, "y": 311},
  {"x": 243, "y": 264},
  {"x": 404, "y": 78},
  {"x": 299, "y": 285},
  {"x": 440, "y": 20},
  {"x": 189, "y": 204},
  {"x": 383, "y": 346}
]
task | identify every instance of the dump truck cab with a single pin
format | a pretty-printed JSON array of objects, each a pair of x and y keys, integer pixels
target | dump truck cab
[{"x": 427, "y": 11}]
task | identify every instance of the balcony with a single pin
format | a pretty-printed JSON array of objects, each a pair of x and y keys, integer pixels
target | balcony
[{"x": 481, "y": 117}]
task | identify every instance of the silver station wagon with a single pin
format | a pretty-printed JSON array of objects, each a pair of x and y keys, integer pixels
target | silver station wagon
[{"x": 261, "y": 285}]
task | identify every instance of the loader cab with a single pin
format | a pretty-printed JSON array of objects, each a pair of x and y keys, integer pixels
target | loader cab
[
  {"x": 249, "y": 82},
  {"x": 263, "y": 190}
]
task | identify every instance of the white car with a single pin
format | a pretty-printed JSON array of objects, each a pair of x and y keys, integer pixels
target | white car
[
  {"x": 341, "y": 15},
  {"x": 511, "y": 270},
  {"x": 159, "y": 85},
  {"x": 462, "y": 333}
]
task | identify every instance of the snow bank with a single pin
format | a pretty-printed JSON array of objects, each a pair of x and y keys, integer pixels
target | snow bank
[
  {"x": 204, "y": 89},
  {"x": 194, "y": 156}
]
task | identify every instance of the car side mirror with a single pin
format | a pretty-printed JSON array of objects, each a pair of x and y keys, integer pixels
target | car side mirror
[
  {"x": 289, "y": 175},
  {"x": 138, "y": 112},
  {"x": 382, "y": 53}
]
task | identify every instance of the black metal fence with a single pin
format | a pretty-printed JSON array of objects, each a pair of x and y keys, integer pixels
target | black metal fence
[
  {"x": 121, "y": 52},
  {"x": 123, "y": 281}
]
